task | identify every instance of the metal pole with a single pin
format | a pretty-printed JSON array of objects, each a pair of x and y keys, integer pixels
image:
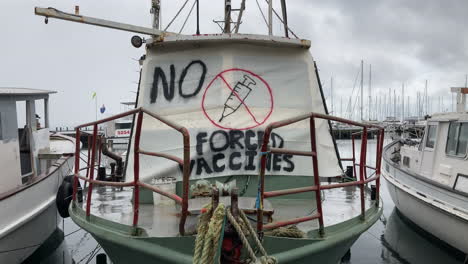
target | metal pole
[
  {"x": 318, "y": 195},
  {"x": 285, "y": 18},
  {"x": 402, "y": 102},
  {"x": 370, "y": 94},
  {"x": 227, "y": 16},
  {"x": 239, "y": 17},
  {"x": 362, "y": 88},
  {"x": 270, "y": 17},
  {"x": 331, "y": 95},
  {"x": 77, "y": 164},
  {"x": 91, "y": 173},
  {"x": 198, "y": 18},
  {"x": 46, "y": 112},
  {"x": 136, "y": 169}
]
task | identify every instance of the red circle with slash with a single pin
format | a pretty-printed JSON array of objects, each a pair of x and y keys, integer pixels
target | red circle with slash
[{"x": 243, "y": 104}]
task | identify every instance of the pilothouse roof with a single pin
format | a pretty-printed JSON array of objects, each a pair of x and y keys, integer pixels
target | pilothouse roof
[{"x": 22, "y": 92}]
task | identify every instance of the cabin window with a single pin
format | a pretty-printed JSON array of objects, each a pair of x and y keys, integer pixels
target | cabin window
[
  {"x": 431, "y": 136},
  {"x": 457, "y": 139},
  {"x": 123, "y": 125},
  {"x": 406, "y": 161}
]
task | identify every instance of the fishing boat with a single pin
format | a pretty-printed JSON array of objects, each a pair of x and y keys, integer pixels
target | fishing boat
[
  {"x": 428, "y": 180},
  {"x": 34, "y": 163},
  {"x": 231, "y": 157}
]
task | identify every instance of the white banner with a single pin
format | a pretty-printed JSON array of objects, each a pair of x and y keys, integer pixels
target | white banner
[{"x": 226, "y": 96}]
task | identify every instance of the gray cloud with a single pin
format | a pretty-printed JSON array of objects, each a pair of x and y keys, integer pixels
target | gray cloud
[{"x": 405, "y": 41}]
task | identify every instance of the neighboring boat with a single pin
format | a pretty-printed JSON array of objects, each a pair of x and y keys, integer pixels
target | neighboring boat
[
  {"x": 118, "y": 131},
  {"x": 33, "y": 163},
  {"x": 244, "y": 113},
  {"x": 428, "y": 182}
]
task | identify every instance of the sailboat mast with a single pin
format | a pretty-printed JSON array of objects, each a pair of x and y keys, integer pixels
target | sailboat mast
[
  {"x": 402, "y": 102},
  {"x": 362, "y": 88},
  {"x": 331, "y": 95},
  {"x": 426, "y": 101},
  {"x": 370, "y": 94}
]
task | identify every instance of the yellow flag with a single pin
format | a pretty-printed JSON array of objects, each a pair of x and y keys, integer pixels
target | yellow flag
[{"x": 93, "y": 95}]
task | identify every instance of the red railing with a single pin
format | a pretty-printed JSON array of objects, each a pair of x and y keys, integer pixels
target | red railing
[
  {"x": 185, "y": 163},
  {"x": 136, "y": 183},
  {"x": 363, "y": 180}
]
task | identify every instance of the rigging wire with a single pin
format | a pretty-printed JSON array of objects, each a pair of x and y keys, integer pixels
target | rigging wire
[
  {"x": 186, "y": 19},
  {"x": 263, "y": 15},
  {"x": 278, "y": 16},
  {"x": 348, "y": 107},
  {"x": 174, "y": 18}
]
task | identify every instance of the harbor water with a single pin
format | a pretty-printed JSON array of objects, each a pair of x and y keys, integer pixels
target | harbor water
[{"x": 392, "y": 240}]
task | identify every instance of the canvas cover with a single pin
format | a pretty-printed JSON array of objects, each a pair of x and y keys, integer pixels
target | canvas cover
[{"x": 225, "y": 95}]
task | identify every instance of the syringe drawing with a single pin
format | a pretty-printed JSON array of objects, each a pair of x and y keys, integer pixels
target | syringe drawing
[{"x": 237, "y": 97}]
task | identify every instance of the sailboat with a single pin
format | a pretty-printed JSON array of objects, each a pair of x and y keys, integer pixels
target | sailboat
[{"x": 231, "y": 159}]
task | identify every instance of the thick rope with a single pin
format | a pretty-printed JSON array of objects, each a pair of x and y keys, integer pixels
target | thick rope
[
  {"x": 289, "y": 231},
  {"x": 201, "y": 234},
  {"x": 252, "y": 231},
  {"x": 245, "y": 242},
  {"x": 209, "y": 232}
]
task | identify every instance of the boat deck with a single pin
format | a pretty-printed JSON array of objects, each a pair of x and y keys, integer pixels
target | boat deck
[{"x": 113, "y": 204}]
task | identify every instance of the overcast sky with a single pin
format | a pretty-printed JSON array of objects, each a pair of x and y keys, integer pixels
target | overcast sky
[{"x": 406, "y": 41}]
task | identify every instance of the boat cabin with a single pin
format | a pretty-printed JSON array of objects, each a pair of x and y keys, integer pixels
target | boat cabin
[
  {"x": 21, "y": 144},
  {"x": 441, "y": 156}
]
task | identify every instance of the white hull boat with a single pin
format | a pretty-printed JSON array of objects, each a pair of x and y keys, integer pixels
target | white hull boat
[
  {"x": 428, "y": 181},
  {"x": 30, "y": 177}
]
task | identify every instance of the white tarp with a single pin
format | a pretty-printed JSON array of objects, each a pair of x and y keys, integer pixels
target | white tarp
[{"x": 226, "y": 95}]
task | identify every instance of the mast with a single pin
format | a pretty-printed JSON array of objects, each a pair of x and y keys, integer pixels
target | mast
[
  {"x": 227, "y": 16},
  {"x": 331, "y": 95},
  {"x": 394, "y": 104},
  {"x": 156, "y": 11},
  {"x": 270, "y": 17},
  {"x": 402, "y": 102},
  {"x": 285, "y": 18},
  {"x": 362, "y": 88},
  {"x": 341, "y": 106},
  {"x": 426, "y": 101},
  {"x": 370, "y": 94}
]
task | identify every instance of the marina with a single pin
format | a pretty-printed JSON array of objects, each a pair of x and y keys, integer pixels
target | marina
[{"x": 229, "y": 145}]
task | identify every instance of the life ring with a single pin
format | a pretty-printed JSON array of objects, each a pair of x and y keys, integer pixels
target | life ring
[{"x": 64, "y": 196}]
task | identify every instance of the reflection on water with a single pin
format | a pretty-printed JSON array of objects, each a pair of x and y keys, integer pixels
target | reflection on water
[
  {"x": 404, "y": 242},
  {"x": 53, "y": 250},
  {"x": 392, "y": 240}
]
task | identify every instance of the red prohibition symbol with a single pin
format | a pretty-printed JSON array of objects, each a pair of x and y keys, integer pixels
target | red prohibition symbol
[{"x": 238, "y": 93}]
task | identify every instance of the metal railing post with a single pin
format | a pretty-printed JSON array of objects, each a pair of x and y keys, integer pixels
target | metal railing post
[
  {"x": 378, "y": 165},
  {"x": 318, "y": 195},
  {"x": 354, "y": 155},
  {"x": 89, "y": 156},
  {"x": 186, "y": 180},
  {"x": 261, "y": 187},
  {"x": 362, "y": 168},
  {"x": 136, "y": 170},
  {"x": 91, "y": 174},
  {"x": 77, "y": 164}
]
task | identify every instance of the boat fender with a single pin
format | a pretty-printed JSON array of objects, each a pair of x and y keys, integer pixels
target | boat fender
[{"x": 64, "y": 196}]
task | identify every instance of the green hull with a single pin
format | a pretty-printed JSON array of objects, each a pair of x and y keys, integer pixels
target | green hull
[{"x": 122, "y": 247}]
